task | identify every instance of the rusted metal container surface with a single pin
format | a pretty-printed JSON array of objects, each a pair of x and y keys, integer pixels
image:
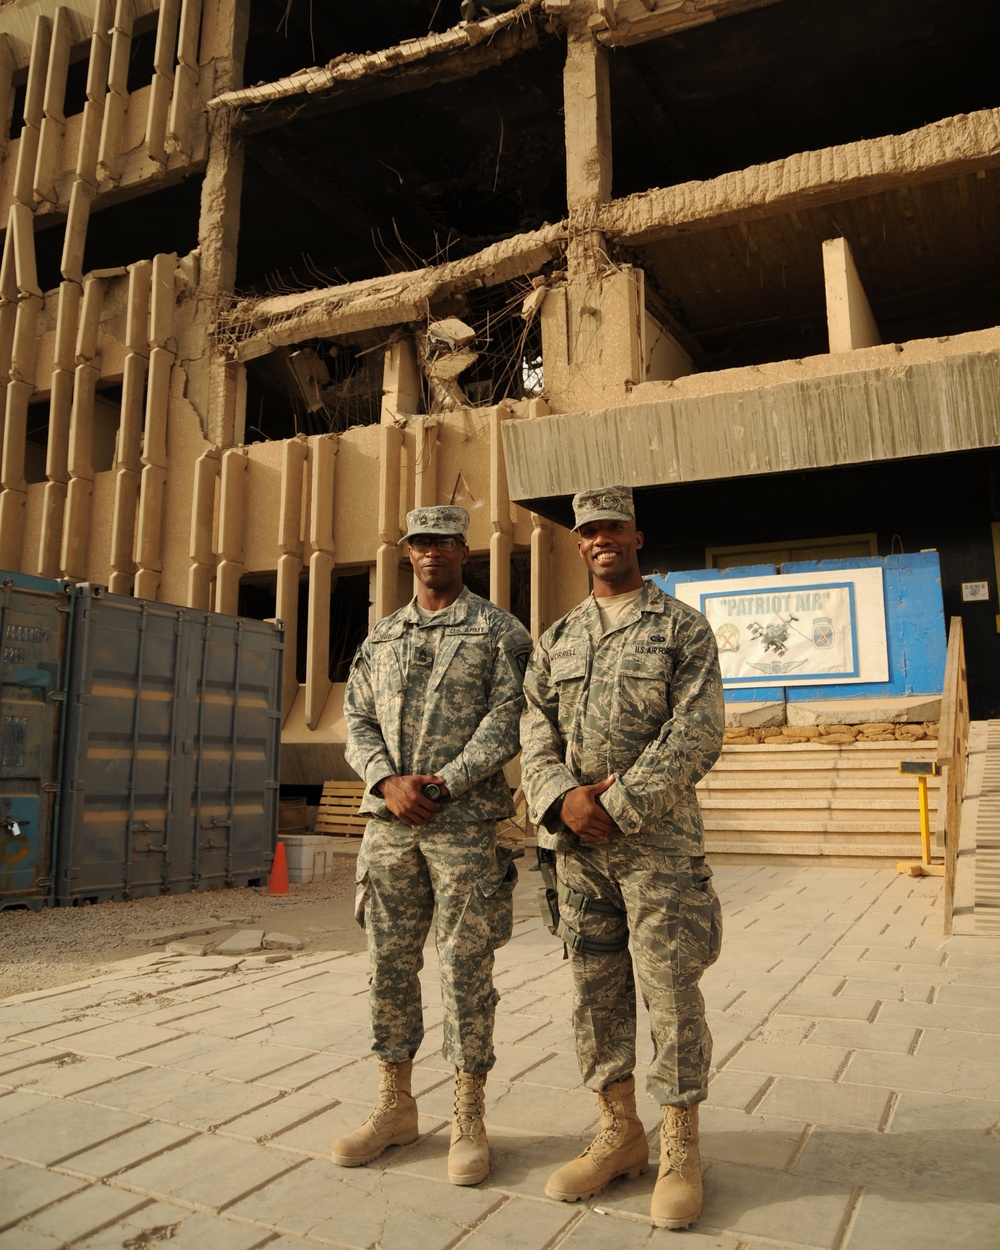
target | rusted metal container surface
[
  {"x": 35, "y": 619},
  {"x": 171, "y": 768}
]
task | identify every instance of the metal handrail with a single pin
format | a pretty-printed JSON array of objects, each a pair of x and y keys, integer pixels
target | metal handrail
[{"x": 953, "y": 738}]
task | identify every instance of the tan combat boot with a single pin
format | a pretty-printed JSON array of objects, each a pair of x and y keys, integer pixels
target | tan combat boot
[
  {"x": 677, "y": 1195},
  {"x": 392, "y": 1123},
  {"x": 619, "y": 1149},
  {"x": 469, "y": 1155}
]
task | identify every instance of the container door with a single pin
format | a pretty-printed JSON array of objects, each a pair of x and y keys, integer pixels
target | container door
[
  {"x": 121, "y": 763},
  {"x": 34, "y": 626},
  {"x": 235, "y": 706}
]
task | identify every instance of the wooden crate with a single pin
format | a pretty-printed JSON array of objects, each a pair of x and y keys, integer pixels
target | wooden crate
[{"x": 338, "y": 809}]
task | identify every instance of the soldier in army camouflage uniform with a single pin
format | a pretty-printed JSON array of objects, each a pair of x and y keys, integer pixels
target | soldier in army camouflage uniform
[
  {"x": 432, "y": 708},
  {"x": 624, "y": 715}
]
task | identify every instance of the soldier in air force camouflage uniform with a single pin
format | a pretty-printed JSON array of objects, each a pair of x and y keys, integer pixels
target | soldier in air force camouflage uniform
[
  {"x": 432, "y": 709},
  {"x": 624, "y": 715}
]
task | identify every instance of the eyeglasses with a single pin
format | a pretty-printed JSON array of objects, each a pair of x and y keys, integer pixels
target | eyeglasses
[{"x": 443, "y": 542}]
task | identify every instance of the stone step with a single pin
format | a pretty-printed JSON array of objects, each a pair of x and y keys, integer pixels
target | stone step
[
  {"x": 805, "y": 781},
  {"x": 860, "y": 852},
  {"x": 796, "y": 801},
  {"x": 751, "y": 822}
]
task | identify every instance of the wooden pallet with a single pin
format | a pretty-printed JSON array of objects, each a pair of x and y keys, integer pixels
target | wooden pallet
[{"x": 338, "y": 809}]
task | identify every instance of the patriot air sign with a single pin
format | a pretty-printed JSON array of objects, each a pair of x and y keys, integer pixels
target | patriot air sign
[{"x": 796, "y": 630}]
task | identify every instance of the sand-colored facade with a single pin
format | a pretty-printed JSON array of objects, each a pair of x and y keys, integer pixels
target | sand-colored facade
[{"x": 149, "y": 365}]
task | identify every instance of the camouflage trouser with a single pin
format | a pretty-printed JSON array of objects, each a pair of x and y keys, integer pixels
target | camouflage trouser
[
  {"x": 672, "y": 913},
  {"x": 403, "y": 874}
]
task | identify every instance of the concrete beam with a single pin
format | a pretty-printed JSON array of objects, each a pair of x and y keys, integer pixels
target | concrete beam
[
  {"x": 621, "y": 22},
  {"x": 944, "y": 149},
  {"x": 887, "y": 412}
]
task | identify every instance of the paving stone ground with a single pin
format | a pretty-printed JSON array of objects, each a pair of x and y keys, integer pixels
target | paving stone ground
[{"x": 193, "y": 1101}]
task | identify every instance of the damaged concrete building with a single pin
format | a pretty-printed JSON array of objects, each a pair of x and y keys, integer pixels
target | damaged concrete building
[{"x": 740, "y": 254}]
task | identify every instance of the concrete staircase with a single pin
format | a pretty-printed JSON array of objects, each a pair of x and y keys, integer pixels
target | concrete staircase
[{"x": 845, "y": 804}]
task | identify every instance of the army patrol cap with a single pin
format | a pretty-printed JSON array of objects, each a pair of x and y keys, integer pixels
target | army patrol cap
[
  {"x": 606, "y": 503},
  {"x": 439, "y": 519}
]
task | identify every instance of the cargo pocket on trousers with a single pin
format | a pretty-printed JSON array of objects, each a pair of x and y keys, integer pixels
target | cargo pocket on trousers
[
  {"x": 361, "y": 892},
  {"x": 702, "y": 920},
  {"x": 500, "y": 896}
]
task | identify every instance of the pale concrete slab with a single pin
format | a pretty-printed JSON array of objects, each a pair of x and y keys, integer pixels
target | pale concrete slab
[{"x": 922, "y": 1222}]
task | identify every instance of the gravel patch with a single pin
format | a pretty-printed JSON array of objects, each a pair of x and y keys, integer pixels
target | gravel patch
[{"x": 57, "y": 946}]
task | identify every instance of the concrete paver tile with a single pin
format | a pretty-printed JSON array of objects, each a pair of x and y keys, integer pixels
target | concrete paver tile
[
  {"x": 511, "y": 1029},
  {"x": 316, "y": 1135},
  {"x": 883, "y": 953},
  {"x": 789, "y": 1210},
  {"x": 81, "y": 1213},
  {"x": 66, "y": 1074},
  {"x": 735, "y": 1137},
  {"x": 522, "y": 1224},
  {"x": 360, "y": 1207},
  {"x": 816, "y": 1007},
  {"x": 522, "y": 1060},
  {"x": 523, "y": 1106},
  {"x": 25, "y": 1190},
  {"x": 919, "y": 1113},
  {"x": 200, "y": 1173},
  {"x": 305, "y": 1071},
  {"x": 275, "y": 1118},
  {"x": 594, "y": 1233},
  {"x": 958, "y": 1047},
  {"x": 861, "y": 1035},
  {"x": 929, "y": 1015},
  {"x": 922, "y": 1222},
  {"x": 561, "y": 1071},
  {"x": 735, "y": 1090},
  {"x": 969, "y": 996},
  {"x": 185, "y": 1098},
  {"x": 556, "y": 1035},
  {"x": 782, "y": 1059},
  {"x": 298, "y": 1033},
  {"x": 900, "y": 990},
  {"x": 959, "y": 1164},
  {"x": 936, "y": 1074},
  {"x": 27, "y": 1056},
  {"x": 787, "y": 1029},
  {"x": 148, "y": 1139},
  {"x": 48, "y": 1130},
  {"x": 114, "y": 1041},
  {"x": 857, "y": 1157},
  {"x": 796, "y": 1098},
  {"x": 242, "y": 1060},
  {"x": 225, "y": 1022},
  {"x": 182, "y": 1229},
  {"x": 358, "y": 1081}
]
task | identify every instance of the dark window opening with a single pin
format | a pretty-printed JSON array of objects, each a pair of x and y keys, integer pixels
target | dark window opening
[
  {"x": 106, "y": 423},
  {"x": 476, "y": 576},
  {"x": 317, "y": 387},
  {"x": 349, "y": 604},
  {"x": 140, "y": 74},
  {"x": 285, "y": 36},
  {"x": 508, "y": 346},
  {"x": 794, "y": 77},
  {"x": 123, "y": 233},
  {"x": 411, "y": 199}
]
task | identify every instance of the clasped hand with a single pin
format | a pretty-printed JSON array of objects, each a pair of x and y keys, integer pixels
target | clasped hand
[
  {"x": 582, "y": 812},
  {"x": 405, "y": 798}
]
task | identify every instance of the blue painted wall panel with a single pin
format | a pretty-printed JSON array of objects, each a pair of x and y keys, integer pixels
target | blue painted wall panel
[{"x": 914, "y": 618}]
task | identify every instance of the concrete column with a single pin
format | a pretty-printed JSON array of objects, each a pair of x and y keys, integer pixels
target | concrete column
[
  {"x": 385, "y": 599},
  {"x": 849, "y": 318},
  {"x": 502, "y": 538},
  {"x": 323, "y": 451}
]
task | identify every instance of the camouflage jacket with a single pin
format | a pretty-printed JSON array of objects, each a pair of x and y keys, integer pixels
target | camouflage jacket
[
  {"x": 643, "y": 701},
  {"x": 441, "y": 697}
]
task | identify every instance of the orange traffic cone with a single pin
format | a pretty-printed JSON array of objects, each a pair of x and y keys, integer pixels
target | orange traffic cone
[{"x": 278, "y": 881}]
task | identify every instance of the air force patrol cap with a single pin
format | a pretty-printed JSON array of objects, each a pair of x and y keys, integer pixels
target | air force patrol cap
[
  {"x": 606, "y": 503},
  {"x": 438, "y": 519}
]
